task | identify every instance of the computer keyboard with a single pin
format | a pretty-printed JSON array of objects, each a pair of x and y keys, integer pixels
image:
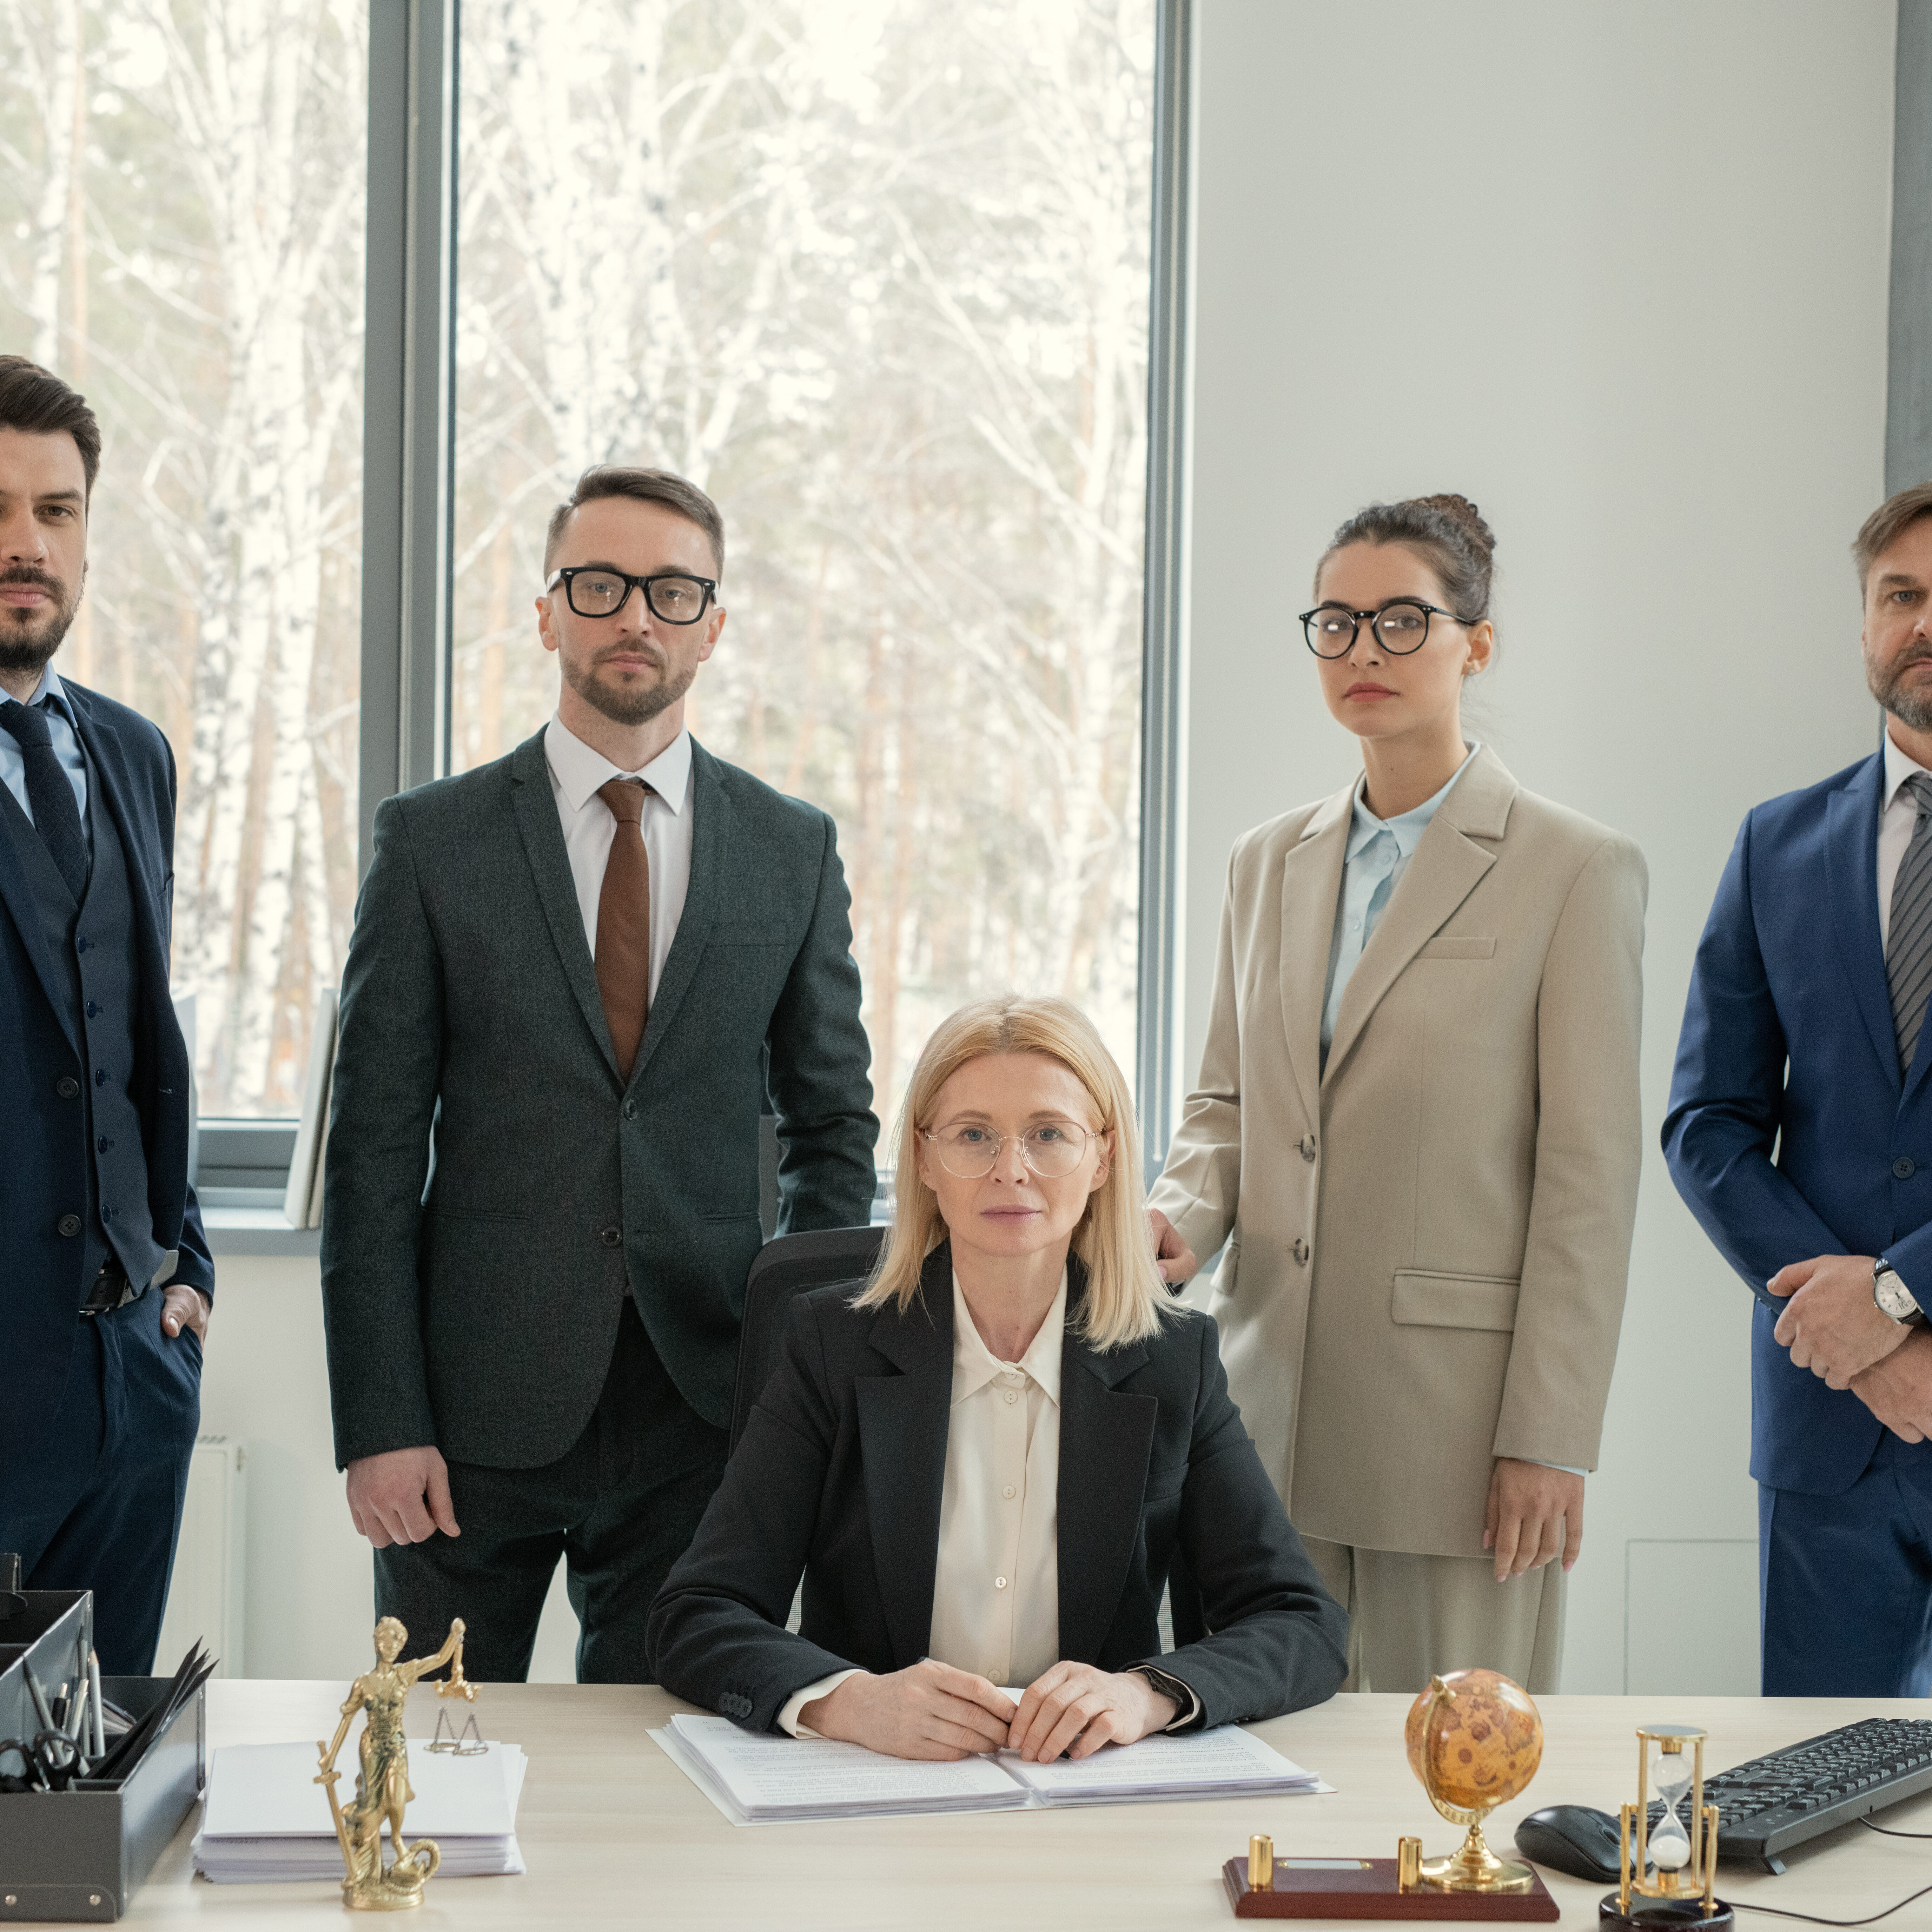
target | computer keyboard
[{"x": 1767, "y": 1806}]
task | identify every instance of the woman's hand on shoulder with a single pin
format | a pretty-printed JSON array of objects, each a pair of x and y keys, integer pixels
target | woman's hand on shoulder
[
  {"x": 1075, "y": 1709},
  {"x": 930, "y": 1710},
  {"x": 1178, "y": 1261}
]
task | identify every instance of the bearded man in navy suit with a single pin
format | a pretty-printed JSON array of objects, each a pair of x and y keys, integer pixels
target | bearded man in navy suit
[
  {"x": 1800, "y": 1133},
  {"x": 106, "y": 1289}
]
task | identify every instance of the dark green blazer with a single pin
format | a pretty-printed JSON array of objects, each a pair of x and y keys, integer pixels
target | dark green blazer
[
  {"x": 471, "y": 1299},
  {"x": 840, "y": 1474}
]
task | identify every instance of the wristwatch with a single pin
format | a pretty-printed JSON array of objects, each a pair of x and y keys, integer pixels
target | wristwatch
[{"x": 1893, "y": 1297}]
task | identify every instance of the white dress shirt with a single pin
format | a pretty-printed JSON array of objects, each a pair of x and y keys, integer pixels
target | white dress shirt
[
  {"x": 996, "y": 1586},
  {"x": 1896, "y": 818},
  {"x": 576, "y": 772},
  {"x": 51, "y": 696},
  {"x": 1377, "y": 855}
]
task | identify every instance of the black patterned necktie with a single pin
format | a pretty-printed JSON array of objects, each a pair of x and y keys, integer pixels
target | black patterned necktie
[
  {"x": 50, "y": 799},
  {"x": 1908, "y": 939}
]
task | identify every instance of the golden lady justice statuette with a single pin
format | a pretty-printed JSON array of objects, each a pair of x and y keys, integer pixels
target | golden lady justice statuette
[{"x": 382, "y": 1783}]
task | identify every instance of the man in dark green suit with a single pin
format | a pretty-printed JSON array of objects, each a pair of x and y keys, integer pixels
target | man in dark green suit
[{"x": 577, "y": 977}]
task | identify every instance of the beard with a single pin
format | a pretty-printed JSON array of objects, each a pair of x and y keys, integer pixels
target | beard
[
  {"x": 27, "y": 638},
  {"x": 629, "y": 704},
  {"x": 1911, "y": 705}
]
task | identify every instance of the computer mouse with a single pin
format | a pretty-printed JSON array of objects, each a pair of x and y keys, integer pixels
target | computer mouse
[{"x": 1574, "y": 1839}]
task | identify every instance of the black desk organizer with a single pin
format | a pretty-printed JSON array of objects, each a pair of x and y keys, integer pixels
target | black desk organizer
[{"x": 81, "y": 1854}]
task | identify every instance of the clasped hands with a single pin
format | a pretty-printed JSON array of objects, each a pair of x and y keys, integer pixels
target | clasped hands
[
  {"x": 1834, "y": 1327},
  {"x": 933, "y": 1710}
]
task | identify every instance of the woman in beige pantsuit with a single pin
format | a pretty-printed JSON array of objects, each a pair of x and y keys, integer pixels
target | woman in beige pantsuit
[{"x": 1416, "y": 1131}]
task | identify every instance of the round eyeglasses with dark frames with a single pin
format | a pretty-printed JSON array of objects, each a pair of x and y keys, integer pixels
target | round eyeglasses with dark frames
[
  {"x": 1054, "y": 1149},
  {"x": 672, "y": 597},
  {"x": 1400, "y": 626}
]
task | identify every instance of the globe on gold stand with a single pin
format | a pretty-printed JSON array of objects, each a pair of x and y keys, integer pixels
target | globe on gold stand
[{"x": 1474, "y": 1740}]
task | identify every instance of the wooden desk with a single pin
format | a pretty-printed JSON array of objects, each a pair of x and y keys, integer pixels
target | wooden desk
[{"x": 615, "y": 1835}]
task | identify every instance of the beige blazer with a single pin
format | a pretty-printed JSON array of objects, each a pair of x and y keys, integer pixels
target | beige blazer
[{"x": 1426, "y": 1245}]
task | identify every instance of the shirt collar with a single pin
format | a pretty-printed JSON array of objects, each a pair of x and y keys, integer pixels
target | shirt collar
[
  {"x": 51, "y": 691},
  {"x": 1407, "y": 827},
  {"x": 974, "y": 1365},
  {"x": 1899, "y": 765},
  {"x": 580, "y": 771}
]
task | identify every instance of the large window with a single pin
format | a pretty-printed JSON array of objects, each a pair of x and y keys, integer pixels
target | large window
[
  {"x": 182, "y": 194},
  {"x": 876, "y": 275}
]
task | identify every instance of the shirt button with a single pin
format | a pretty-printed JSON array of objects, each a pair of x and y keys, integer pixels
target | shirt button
[
  {"x": 999, "y": 1582},
  {"x": 1013, "y": 1395},
  {"x": 1008, "y": 1491},
  {"x": 1354, "y": 926}
]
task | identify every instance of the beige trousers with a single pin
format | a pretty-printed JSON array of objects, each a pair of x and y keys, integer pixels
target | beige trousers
[{"x": 1412, "y": 1617}]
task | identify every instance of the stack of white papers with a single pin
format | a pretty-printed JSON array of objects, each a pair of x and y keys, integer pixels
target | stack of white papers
[
  {"x": 764, "y": 1779},
  {"x": 266, "y": 1819}
]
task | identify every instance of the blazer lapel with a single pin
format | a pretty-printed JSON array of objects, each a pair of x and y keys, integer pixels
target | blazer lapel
[
  {"x": 712, "y": 825},
  {"x": 17, "y": 894},
  {"x": 1851, "y": 886},
  {"x": 903, "y": 1420},
  {"x": 1105, "y": 1438},
  {"x": 1311, "y": 888},
  {"x": 1445, "y": 869},
  {"x": 535, "y": 808}
]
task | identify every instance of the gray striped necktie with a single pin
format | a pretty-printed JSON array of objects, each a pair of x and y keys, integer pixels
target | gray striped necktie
[{"x": 1908, "y": 943}]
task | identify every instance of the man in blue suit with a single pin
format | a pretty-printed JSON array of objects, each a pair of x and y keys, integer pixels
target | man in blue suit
[
  {"x": 1800, "y": 1133},
  {"x": 105, "y": 1278}
]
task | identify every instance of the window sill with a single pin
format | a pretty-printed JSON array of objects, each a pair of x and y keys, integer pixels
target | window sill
[{"x": 256, "y": 1231}]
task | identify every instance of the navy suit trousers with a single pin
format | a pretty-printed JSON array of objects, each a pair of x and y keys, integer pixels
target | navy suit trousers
[
  {"x": 95, "y": 1503},
  {"x": 1845, "y": 1583}
]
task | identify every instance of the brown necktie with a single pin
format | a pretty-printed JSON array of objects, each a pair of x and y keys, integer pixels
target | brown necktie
[{"x": 624, "y": 922}]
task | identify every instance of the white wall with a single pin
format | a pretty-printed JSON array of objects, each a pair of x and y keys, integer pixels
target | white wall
[{"x": 1618, "y": 272}]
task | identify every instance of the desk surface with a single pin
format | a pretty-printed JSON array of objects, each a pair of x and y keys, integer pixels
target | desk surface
[{"x": 614, "y": 1833}]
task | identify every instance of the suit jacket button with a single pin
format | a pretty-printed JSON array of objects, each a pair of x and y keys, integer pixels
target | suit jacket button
[
  {"x": 67, "y": 1086},
  {"x": 1307, "y": 1147},
  {"x": 69, "y": 1224},
  {"x": 1904, "y": 1167},
  {"x": 630, "y": 1110},
  {"x": 612, "y": 1237},
  {"x": 1301, "y": 1251}
]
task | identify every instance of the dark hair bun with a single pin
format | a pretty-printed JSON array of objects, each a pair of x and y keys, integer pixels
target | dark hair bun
[{"x": 1468, "y": 519}]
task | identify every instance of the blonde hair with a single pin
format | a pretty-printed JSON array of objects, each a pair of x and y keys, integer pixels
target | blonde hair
[{"x": 1125, "y": 1297}]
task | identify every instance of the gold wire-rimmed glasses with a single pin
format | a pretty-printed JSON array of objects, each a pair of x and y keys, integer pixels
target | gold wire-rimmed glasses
[{"x": 1052, "y": 1149}]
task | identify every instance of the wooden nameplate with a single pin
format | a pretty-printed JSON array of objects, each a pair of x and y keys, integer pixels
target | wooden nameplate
[{"x": 1366, "y": 1888}]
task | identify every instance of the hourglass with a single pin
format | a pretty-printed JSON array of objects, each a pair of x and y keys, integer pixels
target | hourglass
[{"x": 1682, "y": 1846}]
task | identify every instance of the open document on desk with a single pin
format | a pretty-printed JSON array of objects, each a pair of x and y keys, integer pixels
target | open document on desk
[{"x": 761, "y": 1779}]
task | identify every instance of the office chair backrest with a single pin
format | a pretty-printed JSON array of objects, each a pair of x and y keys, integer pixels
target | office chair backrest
[{"x": 788, "y": 1267}]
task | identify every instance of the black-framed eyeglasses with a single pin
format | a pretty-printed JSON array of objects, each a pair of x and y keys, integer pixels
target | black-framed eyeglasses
[
  {"x": 673, "y": 597},
  {"x": 1400, "y": 626}
]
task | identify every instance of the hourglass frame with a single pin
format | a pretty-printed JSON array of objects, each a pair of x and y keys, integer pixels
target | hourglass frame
[{"x": 1692, "y": 1888}]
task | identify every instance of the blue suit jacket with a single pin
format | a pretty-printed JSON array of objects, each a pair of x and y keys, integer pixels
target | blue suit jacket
[
  {"x": 43, "y": 1150},
  {"x": 1790, "y": 975}
]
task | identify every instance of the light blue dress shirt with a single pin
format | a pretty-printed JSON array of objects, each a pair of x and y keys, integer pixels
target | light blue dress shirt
[
  {"x": 1378, "y": 854},
  {"x": 52, "y": 699}
]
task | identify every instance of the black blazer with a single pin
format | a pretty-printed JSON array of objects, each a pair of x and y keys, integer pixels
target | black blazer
[
  {"x": 839, "y": 1474},
  {"x": 43, "y": 1127},
  {"x": 474, "y": 1306}
]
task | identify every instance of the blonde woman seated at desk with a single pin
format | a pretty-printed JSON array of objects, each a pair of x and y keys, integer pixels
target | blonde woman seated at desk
[{"x": 983, "y": 1460}]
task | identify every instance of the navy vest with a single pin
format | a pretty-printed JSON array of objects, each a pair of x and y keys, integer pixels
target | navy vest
[{"x": 95, "y": 941}]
